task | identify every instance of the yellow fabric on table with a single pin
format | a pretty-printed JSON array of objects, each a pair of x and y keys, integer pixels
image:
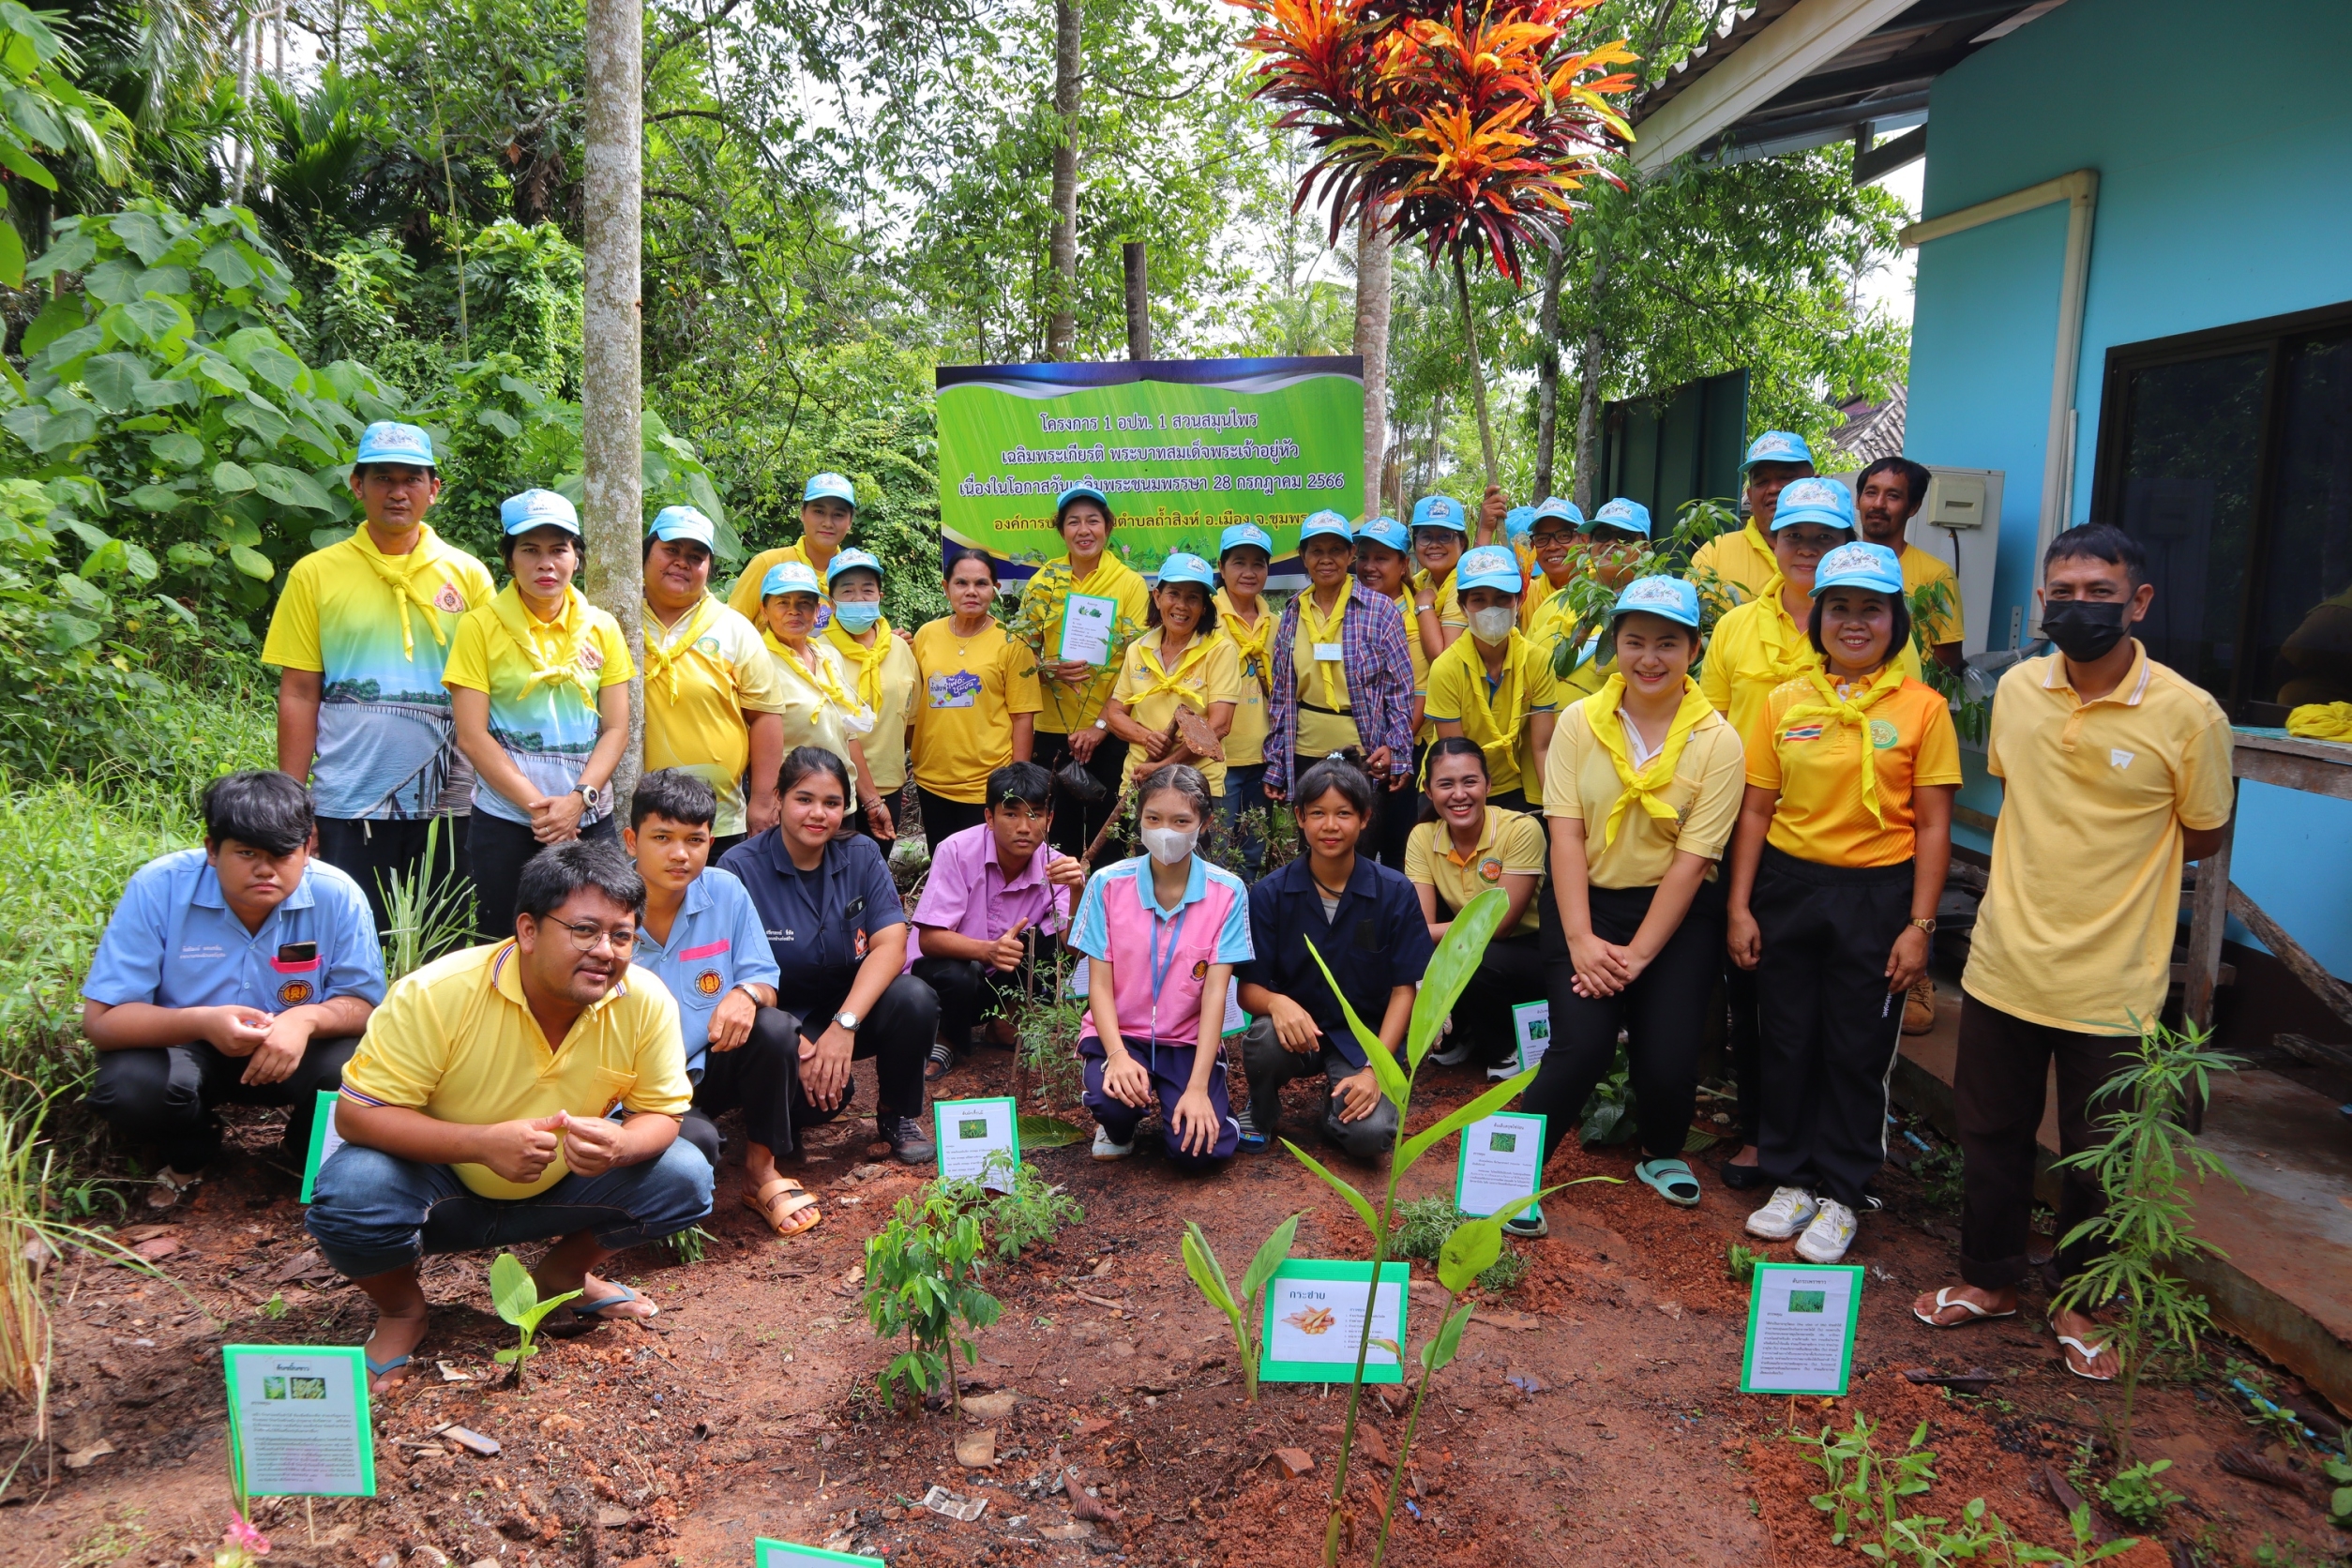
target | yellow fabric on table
[{"x": 2321, "y": 722}]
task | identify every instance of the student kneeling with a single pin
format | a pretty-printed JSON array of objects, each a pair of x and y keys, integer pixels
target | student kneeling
[
  {"x": 1161, "y": 934},
  {"x": 476, "y": 1113}
]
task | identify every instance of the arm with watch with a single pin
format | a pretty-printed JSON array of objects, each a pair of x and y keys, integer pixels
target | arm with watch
[
  {"x": 825, "y": 1060},
  {"x": 1931, "y": 859},
  {"x": 554, "y": 818}
]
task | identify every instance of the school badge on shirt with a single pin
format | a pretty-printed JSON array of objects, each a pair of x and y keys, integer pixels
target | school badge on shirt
[
  {"x": 294, "y": 993},
  {"x": 710, "y": 982},
  {"x": 449, "y": 601},
  {"x": 1881, "y": 734},
  {"x": 1490, "y": 870},
  {"x": 1200, "y": 969},
  {"x": 591, "y": 656}
]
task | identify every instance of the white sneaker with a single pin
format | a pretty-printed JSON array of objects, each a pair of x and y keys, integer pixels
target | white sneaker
[
  {"x": 1790, "y": 1211},
  {"x": 1106, "y": 1149},
  {"x": 1831, "y": 1233}
]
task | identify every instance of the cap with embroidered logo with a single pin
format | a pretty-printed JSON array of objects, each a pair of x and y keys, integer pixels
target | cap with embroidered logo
[
  {"x": 1244, "y": 536},
  {"x": 538, "y": 508},
  {"x": 850, "y": 561},
  {"x": 389, "y": 441},
  {"x": 1819, "y": 500},
  {"x": 1325, "y": 525},
  {"x": 1181, "y": 567},
  {"x": 1518, "y": 522},
  {"x": 1077, "y": 492},
  {"x": 1488, "y": 567},
  {"x": 1553, "y": 507},
  {"x": 1777, "y": 446},
  {"x": 829, "y": 487},
  {"x": 1386, "y": 531},
  {"x": 1439, "y": 512},
  {"x": 673, "y": 524},
  {"x": 1621, "y": 513},
  {"x": 790, "y": 577},
  {"x": 1859, "y": 565},
  {"x": 1669, "y": 596}
]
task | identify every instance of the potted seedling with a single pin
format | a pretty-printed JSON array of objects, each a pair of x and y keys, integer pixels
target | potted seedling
[{"x": 515, "y": 1295}]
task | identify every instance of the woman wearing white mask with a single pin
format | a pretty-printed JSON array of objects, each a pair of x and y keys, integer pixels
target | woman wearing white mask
[
  {"x": 883, "y": 670},
  {"x": 1494, "y": 685}
]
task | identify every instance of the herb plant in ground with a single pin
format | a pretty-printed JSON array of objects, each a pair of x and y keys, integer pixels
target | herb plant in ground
[
  {"x": 2137, "y": 1498},
  {"x": 1029, "y": 1213},
  {"x": 515, "y": 1295},
  {"x": 1200, "y": 1262},
  {"x": 1423, "y": 1227},
  {"x": 922, "y": 1282}
]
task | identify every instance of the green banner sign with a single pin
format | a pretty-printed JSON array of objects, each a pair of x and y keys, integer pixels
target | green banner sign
[{"x": 1184, "y": 448}]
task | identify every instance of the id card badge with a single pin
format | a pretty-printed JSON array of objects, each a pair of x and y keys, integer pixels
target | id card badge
[{"x": 1330, "y": 653}]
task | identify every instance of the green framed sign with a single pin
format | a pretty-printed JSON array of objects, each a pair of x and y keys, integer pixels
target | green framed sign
[
  {"x": 1314, "y": 1318},
  {"x": 1501, "y": 1161},
  {"x": 325, "y": 1141},
  {"x": 298, "y": 1421},
  {"x": 968, "y": 1133},
  {"x": 1801, "y": 1329},
  {"x": 783, "y": 1554}
]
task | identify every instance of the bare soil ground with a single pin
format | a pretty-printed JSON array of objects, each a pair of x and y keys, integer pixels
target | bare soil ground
[{"x": 1592, "y": 1419}]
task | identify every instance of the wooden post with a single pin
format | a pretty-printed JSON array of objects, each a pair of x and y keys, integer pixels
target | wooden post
[
  {"x": 1373, "y": 278},
  {"x": 613, "y": 390},
  {"x": 1133, "y": 255}
]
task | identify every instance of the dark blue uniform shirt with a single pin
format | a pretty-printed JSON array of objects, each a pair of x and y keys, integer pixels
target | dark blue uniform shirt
[
  {"x": 819, "y": 923},
  {"x": 1377, "y": 941}
]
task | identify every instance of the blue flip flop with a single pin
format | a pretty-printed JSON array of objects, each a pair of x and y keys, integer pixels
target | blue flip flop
[
  {"x": 622, "y": 1295},
  {"x": 378, "y": 1369},
  {"x": 1671, "y": 1179}
]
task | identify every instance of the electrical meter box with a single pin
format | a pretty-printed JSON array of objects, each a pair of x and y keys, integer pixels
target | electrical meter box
[
  {"x": 1959, "y": 524},
  {"x": 1955, "y": 500}
]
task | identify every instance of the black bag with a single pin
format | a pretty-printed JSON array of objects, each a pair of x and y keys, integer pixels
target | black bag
[{"x": 1078, "y": 783}]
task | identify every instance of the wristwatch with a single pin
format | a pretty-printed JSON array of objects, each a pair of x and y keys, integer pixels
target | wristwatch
[
  {"x": 847, "y": 1020},
  {"x": 588, "y": 796},
  {"x": 1102, "y": 724},
  {"x": 1927, "y": 924}
]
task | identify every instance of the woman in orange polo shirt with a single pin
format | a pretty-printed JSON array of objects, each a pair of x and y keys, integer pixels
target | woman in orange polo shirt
[{"x": 1838, "y": 861}]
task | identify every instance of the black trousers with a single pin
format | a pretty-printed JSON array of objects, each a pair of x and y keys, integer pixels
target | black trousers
[
  {"x": 1999, "y": 1084},
  {"x": 969, "y": 990},
  {"x": 1745, "y": 1043},
  {"x": 758, "y": 1078},
  {"x": 1400, "y": 812},
  {"x": 1830, "y": 1025},
  {"x": 1075, "y": 824},
  {"x": 164, "y": 1095},
  {"x": 500, "y": 849},
  {"x": 896, "y": 1036},
  {"x": 1510, "y": 971},
  {"x": 377, "y": 851},
  {"x": 1662, "y": 1014},
  {"x": 1268, "y": 1065},
  {"x": 1512, "y": 800},
  {"x": 942, "y": 817}
]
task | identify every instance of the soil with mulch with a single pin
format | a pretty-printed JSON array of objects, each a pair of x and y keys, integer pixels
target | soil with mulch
[{"x": 1592, "y": 1416}]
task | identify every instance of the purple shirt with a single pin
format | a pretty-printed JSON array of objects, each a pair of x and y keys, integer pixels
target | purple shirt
[{"x": 966, "y": 892}]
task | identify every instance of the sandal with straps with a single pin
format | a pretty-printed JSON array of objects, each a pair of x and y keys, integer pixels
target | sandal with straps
[
  {"x": 797, "y": 1201},
  {"x": 2090, "y": 1354},
  {"x": 1946, "y": 1301}
]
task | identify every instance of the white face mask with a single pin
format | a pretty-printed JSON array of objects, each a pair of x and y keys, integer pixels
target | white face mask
[
  {"x": 1170, "y": 844},
  {"x": 1492, "y": 623}
]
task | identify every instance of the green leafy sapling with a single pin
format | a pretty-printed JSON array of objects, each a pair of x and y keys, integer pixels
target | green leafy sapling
[
  {"x": 922, "y": 1275},
  {"x": 1200, "y": 1261},
  {"x": 2137, "y": 1498},
  {"x": 515, "y": 1295}
]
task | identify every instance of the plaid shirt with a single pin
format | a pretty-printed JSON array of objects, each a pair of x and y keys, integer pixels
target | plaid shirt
[{"x": 1379, "y": 668}]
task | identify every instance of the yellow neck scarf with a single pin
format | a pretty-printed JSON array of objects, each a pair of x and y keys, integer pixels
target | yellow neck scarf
[
  {"x": 550, "y": 665},
  {"x": 1786, "y": 648},
  {"x": 1855, "y": 711},
  {"x": 1172, "y": 682},
  {"x": 1255, "y": 648},
  {"x": 1508, "y": 701},
  {"x": 813, "y": 668},
  {"x": 1320, "y": 631},
  {"x": 866, "y": 661},
  {"x": 662, "y": 658},
  {"x": 1644, "y": 787},
  {"x": 405, "y": 576}
]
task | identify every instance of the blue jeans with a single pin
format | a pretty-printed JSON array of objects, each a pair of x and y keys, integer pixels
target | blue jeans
[
  {"x": 374, "y": 1212},
  {"x": 1245, "y": 790}
]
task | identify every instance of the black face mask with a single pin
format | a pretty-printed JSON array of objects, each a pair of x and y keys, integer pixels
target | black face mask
[{"x": 2084, "y": 629}]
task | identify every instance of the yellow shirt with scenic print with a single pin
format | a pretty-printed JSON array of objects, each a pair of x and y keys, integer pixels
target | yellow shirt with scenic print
[
  {"x": 1070, "y": 708},
  {"x": 1743, "y": 560},
  {"x": 1581, "y": 784},
  {"x": 885, "y": 684},
  {"x": 1245, "y": 745},
  {"x": 1208, "y": 670},
  {"x": 1459, "y": 693},
  {"x": 971, "y": 688},
  {"x": 2083, "y": 904},
  {"x": 702, "y": 677},
  {"x": 1756, "y": 647},
  {"x": 1510, "y": 843},
  {"x": 457, "y": 1041},
  {"x": 1920, "y": 570},
  {"x": 543, "y": 703},
  {"x": 743, "y": 598},
  {"x": 1815, "y": 762}
]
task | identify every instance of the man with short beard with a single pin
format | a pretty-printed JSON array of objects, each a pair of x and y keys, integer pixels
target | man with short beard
[
  {"x": 479, "y": 1110},
  {"x": 1887, "y": 495}
]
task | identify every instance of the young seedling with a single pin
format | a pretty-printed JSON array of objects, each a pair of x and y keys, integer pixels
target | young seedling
[
  {"x": 922, "y": 1273},
  {"x": 1200, "y": 1261},
  {"x": 515, "y": 1295},
  {"x": 1739, "y": 1263},
  {"x": 2137, "y": 1498}
]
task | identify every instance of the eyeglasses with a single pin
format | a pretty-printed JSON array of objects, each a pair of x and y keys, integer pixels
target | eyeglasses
[{"x": 587, "y": 936}]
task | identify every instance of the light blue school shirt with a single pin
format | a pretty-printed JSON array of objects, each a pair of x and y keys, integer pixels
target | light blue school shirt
[{"x": 717, "y": 942}]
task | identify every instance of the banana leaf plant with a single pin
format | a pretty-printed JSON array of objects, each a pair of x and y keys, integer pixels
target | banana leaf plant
[
  {"x": 515, "y": 1295},
  {"x": 1468, "y": 127},
  {"x": 1200, "y": 1261}
]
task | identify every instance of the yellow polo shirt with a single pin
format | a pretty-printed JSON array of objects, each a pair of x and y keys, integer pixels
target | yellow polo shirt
[
  {"x": 1459, "y": 694},
  {"x": 2077, "y": 925},
  {"x": 702, "y": 677},
  {"x": 1743, "y": 559},
  {"x": 1245, "y": 746},
  {"x": 1510, "y": 843},
  {"x": 1756, "y": 647},
  {"x": 1069, "y": 709},
  {"x": 971, "y": 688},
  {"x": 457, "y": 1041},
  {"x": 888, "y": 689},
  {"x": 743, "y": 598},
  {"x": 1537, "y": 608},
  {"x": 1920, "y": 570},
  {"x": 1404, "y": 602},
  {"x": 1580, "y": 784},
  {"x": 819, "y": 704},
  {"x": 1815, "y": 762},
  {"x": 1207, "y": 671},
  {"x": 544, "y": 705}
]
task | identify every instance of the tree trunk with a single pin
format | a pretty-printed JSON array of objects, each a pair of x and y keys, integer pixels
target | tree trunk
[
  {"x": 1429, "y": 453},
  {"x": 1062, "y": 248},
  {"x": 612, "y": 389},
  {"x": 1134, "y": 258},
  {"x": 1547, "y": 372},
  {"x": 1589, "y": 368},
  {"x": 1372, "y": 245},
  {"x": 1477, "y": 369}
]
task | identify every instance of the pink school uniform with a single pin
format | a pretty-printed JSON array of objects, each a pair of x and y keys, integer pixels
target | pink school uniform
[{"x": 966, "y": 891}]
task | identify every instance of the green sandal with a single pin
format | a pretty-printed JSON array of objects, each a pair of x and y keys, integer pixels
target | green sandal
[{"x": 1671, "y": 1179}]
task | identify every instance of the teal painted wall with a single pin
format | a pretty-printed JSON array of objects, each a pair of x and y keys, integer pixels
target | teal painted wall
[{"x": 2223, "y": 207}]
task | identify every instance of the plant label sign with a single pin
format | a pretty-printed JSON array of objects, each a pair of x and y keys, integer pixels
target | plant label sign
[
  {"x": 1801, "y": 1329},
  {"x": 1502, "y": 1162},
  {"x": 1089, "y": 622},
  {"x": 1315, "y": 1322},
  {"x": 1532, "y": 1021},
  {"x": 298, "y": 1422},
  {"x": 970, "y": 1132},
  {"x": 783, "y": 1554},
  {"x": 325, "y": 1141}
]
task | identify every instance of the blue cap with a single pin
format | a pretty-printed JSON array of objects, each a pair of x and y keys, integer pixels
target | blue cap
[
  {"x": 1669, "y": 596},
  {"x": 1810, "y": 500},
  {"x": 829, "y": 485},
  {"x": 1777, "y": 446},
  {"x": 1859, "y": 565},
  {"x": 1440, "y": 511},
  {"x": 1245, "y": 533},
  {"x": 1078, "y": 492},
  {"x": 672, "y": 524},
  {"x": 1553, "y": 507},
  {"x": 1631, "y": 516},
  {"x": 1518, "y": 522},
  {"x": 1388, "y": 533},
  {"x": 850, "y": 561},
  {"x": 790, "y": 577},
  {"x": 1488, "y": 567},
  {"x": 1181, "y": 567},
  {"x": 538, "y": 508},
  {"x": 388, "y": 441},
  {"x": 1324, "y": 524}
]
